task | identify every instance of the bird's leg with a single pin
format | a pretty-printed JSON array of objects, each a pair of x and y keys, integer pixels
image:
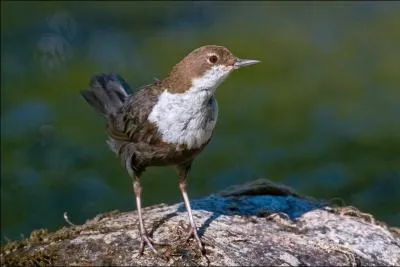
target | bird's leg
[
  {"x": 144, "y": 238},
  {"x": 183, "y": 173}
]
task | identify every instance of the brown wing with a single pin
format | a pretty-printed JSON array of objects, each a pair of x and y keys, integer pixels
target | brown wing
[{"x": 130, "y": 123}]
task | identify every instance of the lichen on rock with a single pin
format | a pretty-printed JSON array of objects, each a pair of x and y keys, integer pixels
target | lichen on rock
[{"x": 258, "y": 223}]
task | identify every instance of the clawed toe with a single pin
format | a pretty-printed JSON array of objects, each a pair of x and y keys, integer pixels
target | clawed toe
[
  {"x": 145, "y": 240},
  {"x": 193, "y": 233},
  {"x": 158, "y": 243}
]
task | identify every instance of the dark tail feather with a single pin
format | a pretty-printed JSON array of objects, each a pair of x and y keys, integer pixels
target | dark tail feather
[{"x": 107, "y": 93}]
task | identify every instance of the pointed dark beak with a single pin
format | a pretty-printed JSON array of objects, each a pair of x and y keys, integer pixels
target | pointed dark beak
[{"x": 245, "y": 62}]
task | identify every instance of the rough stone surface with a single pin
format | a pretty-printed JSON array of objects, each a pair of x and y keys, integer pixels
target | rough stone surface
[{"x": 260, "y": 223}]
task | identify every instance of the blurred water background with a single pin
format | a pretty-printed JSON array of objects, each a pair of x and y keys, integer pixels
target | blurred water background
[{"x": 320, "y": 114}]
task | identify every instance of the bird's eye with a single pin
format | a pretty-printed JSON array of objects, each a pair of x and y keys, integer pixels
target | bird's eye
[{"x": 213, "y": 59}]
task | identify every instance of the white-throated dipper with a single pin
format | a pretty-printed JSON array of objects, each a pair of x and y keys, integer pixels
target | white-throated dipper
[{"x": 166, "y": 123}]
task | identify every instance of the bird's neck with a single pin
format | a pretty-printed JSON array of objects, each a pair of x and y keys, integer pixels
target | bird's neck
[
  {"x": 181, "y": 89},
  {"x": 176, "y": 82}
]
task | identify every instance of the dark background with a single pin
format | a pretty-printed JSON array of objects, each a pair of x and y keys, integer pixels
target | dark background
[{"x": 319, "y": 114}]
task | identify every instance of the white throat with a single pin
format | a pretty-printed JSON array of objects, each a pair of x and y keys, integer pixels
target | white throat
[
  {"x": 211, "y": 79},
  {"x": 189, "y": 118}
]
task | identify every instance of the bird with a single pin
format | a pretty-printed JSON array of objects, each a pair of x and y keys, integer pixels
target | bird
[{"x": 168, "y": 122}]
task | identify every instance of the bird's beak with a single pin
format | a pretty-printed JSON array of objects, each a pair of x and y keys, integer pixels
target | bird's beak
[{"x": 245, "y": 62}]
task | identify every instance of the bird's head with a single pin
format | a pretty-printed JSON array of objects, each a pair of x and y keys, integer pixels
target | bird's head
[{"x": 204, "y": 69}]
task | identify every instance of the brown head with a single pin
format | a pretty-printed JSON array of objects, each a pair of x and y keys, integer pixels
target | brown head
[{"x": 205, "y": 67}]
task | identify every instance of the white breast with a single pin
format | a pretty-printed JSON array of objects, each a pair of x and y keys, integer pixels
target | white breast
[
  {"x": 189, "y": 118},
  {"x": 183, "y": 118}
]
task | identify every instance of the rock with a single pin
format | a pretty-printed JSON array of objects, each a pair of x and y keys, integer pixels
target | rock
[{"x": 258, "y": 223}]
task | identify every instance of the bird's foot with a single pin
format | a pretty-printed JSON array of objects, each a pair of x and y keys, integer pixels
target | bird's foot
[
  {"x": 145, "y": 240},
  {"x": 193, "y": 233}
]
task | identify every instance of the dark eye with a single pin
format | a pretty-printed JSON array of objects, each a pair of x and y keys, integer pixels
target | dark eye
[{"x": 213, "y": 59}]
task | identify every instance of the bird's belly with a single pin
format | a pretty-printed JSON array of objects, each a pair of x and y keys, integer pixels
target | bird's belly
[
  {"x": 174, "y": 154},
  {"x": 142, "y": 154}
]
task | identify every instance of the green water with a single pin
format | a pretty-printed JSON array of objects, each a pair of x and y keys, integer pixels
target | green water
[{"x": 319, "y": 114}]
